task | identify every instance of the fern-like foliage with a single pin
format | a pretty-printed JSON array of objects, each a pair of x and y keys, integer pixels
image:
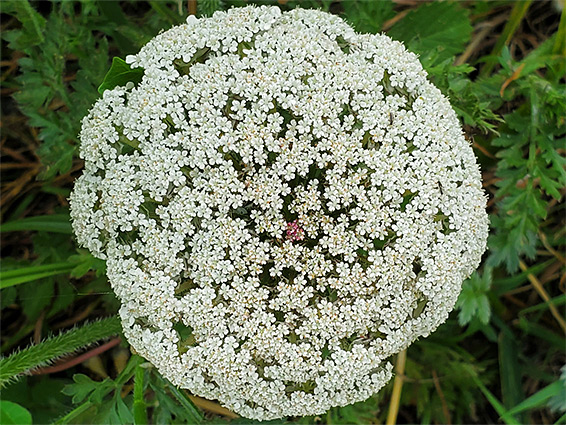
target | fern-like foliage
[{"x": 531, "y": 169}]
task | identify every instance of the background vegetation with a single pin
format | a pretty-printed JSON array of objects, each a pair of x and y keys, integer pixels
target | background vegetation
[{"x": 499, "y": 358}]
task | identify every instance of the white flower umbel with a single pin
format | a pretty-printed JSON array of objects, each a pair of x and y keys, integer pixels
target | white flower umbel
[{"x": 283, "y": 205}]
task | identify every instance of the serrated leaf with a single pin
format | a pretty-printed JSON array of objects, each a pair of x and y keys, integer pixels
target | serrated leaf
[
  {"x": 36, "y": 296},
  {"x": 32, "y": 22},
  {"x": 119, "y": 74},
  {"x": 551, "y": 186},
  {"x": 473, "y": 301},
  {"x": 82, "y": 387},
  {"x": 438, "y": 30},
  {"x": 508, "y": 246},
  {"x": 65, "y": 296}
]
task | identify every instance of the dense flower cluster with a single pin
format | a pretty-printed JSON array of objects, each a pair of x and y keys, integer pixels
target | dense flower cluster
[{"x": 283, "y": 204}]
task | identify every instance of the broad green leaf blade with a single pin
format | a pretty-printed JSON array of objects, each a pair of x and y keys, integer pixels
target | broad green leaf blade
[
  {"x": 57, "y": 223},
  {"x": 119, "y": 74},
  {"x": 437, "y": 30},
  {"x": 12, "y": 413}
]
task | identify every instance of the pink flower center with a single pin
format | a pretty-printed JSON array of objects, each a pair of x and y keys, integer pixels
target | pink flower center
[{"x": 294, "y": 231}]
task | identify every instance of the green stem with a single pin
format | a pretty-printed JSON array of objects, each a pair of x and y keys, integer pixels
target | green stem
[
  {"x": 140, "y": 413},
  {"x": 50, "y": 349},
  {"x": 69, "y": 417}
]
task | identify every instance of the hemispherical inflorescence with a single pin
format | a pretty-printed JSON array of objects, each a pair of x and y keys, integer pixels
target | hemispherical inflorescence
[{"x": 283, "y": 204}]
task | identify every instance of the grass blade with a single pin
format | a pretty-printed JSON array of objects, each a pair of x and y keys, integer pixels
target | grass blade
[
  {"x": 509, "y": 370},
  {"x": 556, "y": 340},
  {"x": 28, "y": 274},
  {"x": 56, "y": 223},
  {"x": 495, "y": 403},
  {"x": 538, "y": 399}
]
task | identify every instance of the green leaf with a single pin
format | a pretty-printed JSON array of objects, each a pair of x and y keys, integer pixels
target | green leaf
[
  {"x": 551, "y": 186},
  {"x": 12, "y": 413},
  {"x": 187, "y": 404},
  {"x": 119, "y": 74},
  {"x": 183, "y": 407},
  {"x": 35, "y": 297},
  {"x": 82, "y": 387},
  {"x": 542, "y": 332},
  {"x": 473, "y": 301},
  {"x": 437, "y": 30},
  {"x": 556, "y": 301},
  {"x": 208, "y": 7},
  {"x": 122, "y": 410},
  {"x": 507, "y": 246},
  {"x": 368, "y": 15},
  {"x": 58, "y": 223},
  {"x": 85, "y": 262},
  {"x": 33, "y": 25}
]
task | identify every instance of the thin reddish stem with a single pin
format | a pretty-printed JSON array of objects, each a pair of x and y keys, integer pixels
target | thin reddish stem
[{"x": 79, "y": 359}]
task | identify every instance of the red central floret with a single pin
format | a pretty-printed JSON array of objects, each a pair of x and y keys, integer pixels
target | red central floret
[{"x": 294, "y": 231}]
